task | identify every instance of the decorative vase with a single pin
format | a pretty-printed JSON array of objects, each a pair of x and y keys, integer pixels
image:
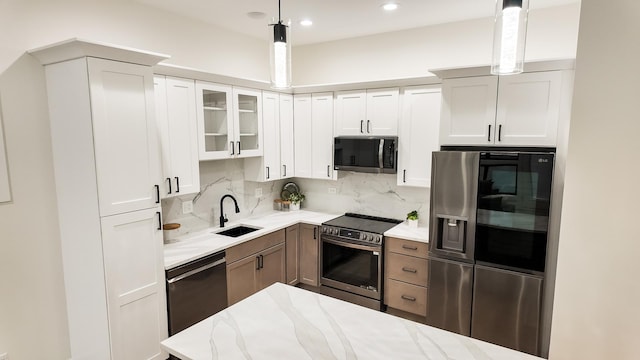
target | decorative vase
[
  {"x": 294, "y": 206},
  {"x": 412, "y": 223}
]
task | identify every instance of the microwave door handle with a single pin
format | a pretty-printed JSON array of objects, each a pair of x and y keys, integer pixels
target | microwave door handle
[{"x": 380, "y": 153}]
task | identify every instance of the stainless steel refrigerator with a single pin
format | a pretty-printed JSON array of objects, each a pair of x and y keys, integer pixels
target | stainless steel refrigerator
[{"x": 487, "y": 249}]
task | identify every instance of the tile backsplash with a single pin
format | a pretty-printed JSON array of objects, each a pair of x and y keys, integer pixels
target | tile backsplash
[{"x": 370, "y": 194}]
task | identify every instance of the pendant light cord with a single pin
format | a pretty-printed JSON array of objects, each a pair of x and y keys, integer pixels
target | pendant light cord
[{"x": 279, "y": 15}]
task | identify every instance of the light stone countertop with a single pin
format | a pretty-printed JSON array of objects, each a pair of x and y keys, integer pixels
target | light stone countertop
[
  {"x": 407, "y": 232},
  {"x": 285, "y": 322},
  {"x": 196, "y": 245}
]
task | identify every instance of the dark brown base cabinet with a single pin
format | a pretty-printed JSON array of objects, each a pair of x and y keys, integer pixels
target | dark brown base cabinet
[
  {"x": 293, "y": 254},
  {"x": 254, "y": 265},
  {"x": 309, "y": 255},
  {"x": 406, "y": 277}
]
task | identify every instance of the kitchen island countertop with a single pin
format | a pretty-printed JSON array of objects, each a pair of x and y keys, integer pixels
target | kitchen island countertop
[{"x": 285, "y": 322}]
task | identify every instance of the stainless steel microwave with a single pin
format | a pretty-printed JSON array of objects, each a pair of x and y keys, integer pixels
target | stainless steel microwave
[{"x": 366, "y": 154}]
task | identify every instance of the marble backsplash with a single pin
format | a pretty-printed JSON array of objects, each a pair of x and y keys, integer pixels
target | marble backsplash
[{"x": 370, "y": 194}]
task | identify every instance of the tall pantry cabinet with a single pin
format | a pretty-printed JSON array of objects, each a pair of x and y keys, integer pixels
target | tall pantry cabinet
[{"x": 108, "y": 178}]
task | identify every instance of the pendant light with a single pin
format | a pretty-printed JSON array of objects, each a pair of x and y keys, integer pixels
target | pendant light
[
  {"x": 509, "y": 35},
  {"x": 280, "y": 53}
]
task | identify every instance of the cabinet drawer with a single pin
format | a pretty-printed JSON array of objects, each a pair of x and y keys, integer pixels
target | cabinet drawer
[
  {"x": 254, "y": 246},
  {"x": 407, "y": 268},
  {"x": 407, "y": 247},
  {"x": 406, "y": 297}
]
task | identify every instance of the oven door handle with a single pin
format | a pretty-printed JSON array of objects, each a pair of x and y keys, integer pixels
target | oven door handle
[{"x": 340, "y": 242}]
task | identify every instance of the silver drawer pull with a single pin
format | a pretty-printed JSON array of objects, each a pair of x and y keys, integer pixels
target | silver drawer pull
[
  {"x": 407, "y": 297},
  {"x": 411, "y": 270},
  {"x": 409, "y": 247}
]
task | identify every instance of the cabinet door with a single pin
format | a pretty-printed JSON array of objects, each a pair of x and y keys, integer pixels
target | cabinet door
[
  {"x": 162, "y": 125},
  {"x": 418, "y": 132},
  {"x": 242, "y": 278},
  {"x": 528, "y": 109},
  {"x": 248, "y": 122},
  {"x": 351, "y": 113},
  {"x": 287, "y": 166},
  {"x": 383, "y": 107},
  {"x": 468, "y": 111},
  {"x": 302, "y": 132},
  {"x": 293, "y": 254},
  {"x": 214, "y": 104},
  {"x": 309, "y": 255},
  {"x": 125, "y": 136},
  {"x": 134, "y": 274},
  {"x": 271, "y": 136},
  {"x": 322, "y": 135},
  {"x": 273, "y": 267}
]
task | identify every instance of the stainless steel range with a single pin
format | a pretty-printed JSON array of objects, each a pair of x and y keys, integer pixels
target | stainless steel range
[{"x": 351, "y": 258}]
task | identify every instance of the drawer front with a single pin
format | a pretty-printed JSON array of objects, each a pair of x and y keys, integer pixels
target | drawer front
[
  {"x": 406, "y": 297},
  {"x": 407, "y": 247},
  {"x": 254, "y": 246},
  {"x": 407, "y": 268}
]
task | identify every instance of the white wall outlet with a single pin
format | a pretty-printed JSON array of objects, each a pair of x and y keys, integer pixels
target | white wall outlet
[
  {"x": 4, "y": 356},
  {"x": 187, "y": 208},
  {"x": 332, "y": 190},
  {"x": 258, "y": 192}
]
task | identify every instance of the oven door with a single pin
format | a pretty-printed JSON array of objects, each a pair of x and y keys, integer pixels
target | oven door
[{"x": 351, "y": 267}]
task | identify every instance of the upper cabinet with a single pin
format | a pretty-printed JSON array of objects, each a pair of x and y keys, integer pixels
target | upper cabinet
[
  {"x": 418, "y": 133},
  {"x": 514, "y": 110},
  {"x": 313, "y": 130},
  {"x": 277, "y": 139},
  {"x": 229, "y": 121},
  {"x": 367, "y": 113},
  {"x": 177, "y": 127}
]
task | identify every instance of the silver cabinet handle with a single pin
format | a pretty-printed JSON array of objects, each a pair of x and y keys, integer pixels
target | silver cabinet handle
[
  {"x": 407, "y": 297},
  {"x": 410, "y": 270}
]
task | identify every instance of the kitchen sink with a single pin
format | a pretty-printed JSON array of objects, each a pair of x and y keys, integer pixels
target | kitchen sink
[{"x": 237, "y": 231}]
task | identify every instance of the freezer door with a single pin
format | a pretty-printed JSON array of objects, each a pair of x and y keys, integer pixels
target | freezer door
[
  {"x": 506, "y": 308},
  {"x": 454, "y": 192},
  {"x": 449, "y": 295}
]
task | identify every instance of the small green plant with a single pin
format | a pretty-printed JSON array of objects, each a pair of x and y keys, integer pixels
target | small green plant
[
  {"x": 412, "y": 215},
  {"x": 296, "y": 198}
]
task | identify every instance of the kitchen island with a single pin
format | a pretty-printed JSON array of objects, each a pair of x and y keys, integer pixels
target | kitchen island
[{"x": 285, "y": 322}]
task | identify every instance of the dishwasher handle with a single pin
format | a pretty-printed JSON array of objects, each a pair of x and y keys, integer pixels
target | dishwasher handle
[{"x": 195, "y": 271}]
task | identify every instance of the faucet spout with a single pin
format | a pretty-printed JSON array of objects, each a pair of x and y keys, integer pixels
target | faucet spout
[{"x": 223, "y": 217}]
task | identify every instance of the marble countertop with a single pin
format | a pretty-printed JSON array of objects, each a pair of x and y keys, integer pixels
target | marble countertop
[
  {"x": 196, "y": 245},
  {"x": 405, "y": 231},
  {"x": 285, "y": 322}
]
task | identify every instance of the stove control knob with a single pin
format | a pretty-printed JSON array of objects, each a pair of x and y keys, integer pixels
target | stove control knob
[
  {"x": 369, "y": 237},
  {"x": 378, "y": 239}
]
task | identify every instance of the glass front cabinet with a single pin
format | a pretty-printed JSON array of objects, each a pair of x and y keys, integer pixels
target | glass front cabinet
[{"x": 229, "y": 121}]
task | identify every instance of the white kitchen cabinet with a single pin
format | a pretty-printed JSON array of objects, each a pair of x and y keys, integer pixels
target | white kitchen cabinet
[
  {"x": 313, "y": 120},
  {"x": 134, "y": 274},
  {"x": 514, "y": 110},
  {"x": 106, "y": 165},
  {"x": 229, "y": 121},
  {"x": 418, "y": 134},
  {"x": 287, "y": 139},
  {"x": 177, "y": 126},
  {"x": 366, "y": 113}
]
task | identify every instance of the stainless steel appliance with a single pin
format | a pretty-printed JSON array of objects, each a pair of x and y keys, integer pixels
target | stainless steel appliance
[
  {"x": 195, "y": 291},
  {"x": 366, "y": 154},
  {"x": 351, "y": 258},
  {"x": 488, "y": 229}
]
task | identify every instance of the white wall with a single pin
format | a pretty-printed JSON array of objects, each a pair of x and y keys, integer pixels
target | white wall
[
  {"x": 33, "y": 321},
  {"x": 596, "y": 313},
  {"x": 551, "y": 34}
]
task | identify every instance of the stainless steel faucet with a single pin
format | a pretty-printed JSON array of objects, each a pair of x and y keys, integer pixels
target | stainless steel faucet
[{"x": 223, "y": 217}]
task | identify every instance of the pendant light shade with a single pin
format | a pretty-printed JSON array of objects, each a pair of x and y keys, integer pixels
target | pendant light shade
[
  {"x": 509, "y": 35},
  {"x": 280, "y": 53}
]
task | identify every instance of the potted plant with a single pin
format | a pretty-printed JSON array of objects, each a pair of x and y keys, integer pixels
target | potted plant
[
  {"x": 412, "y": 218},
  {"x": 296, "y": 199}
]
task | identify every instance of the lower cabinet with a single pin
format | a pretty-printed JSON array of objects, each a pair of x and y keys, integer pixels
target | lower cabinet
[
  {"x": 309, "y": 255},
  {"x": 406, "y": 274},
  {"x": 254, "y": 265},
  {"x": 292, "y": 248}
]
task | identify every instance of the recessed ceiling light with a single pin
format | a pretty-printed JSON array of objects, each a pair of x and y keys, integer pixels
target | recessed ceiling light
[
  {"x": 256, "y": 15},
  {"x": 390, "y": 6},
  {"x": 306, "y": 22}
]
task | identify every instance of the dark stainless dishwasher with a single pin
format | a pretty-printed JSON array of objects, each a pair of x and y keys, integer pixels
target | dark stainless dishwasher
[{"x": 195, "y": 291}]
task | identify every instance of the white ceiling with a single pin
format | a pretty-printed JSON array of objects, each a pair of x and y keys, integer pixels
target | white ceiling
[{"x": 334, "y": 19}]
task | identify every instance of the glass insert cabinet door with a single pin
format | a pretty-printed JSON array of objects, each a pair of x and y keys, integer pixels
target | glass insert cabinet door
[{"x": 229, "y": 121}]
